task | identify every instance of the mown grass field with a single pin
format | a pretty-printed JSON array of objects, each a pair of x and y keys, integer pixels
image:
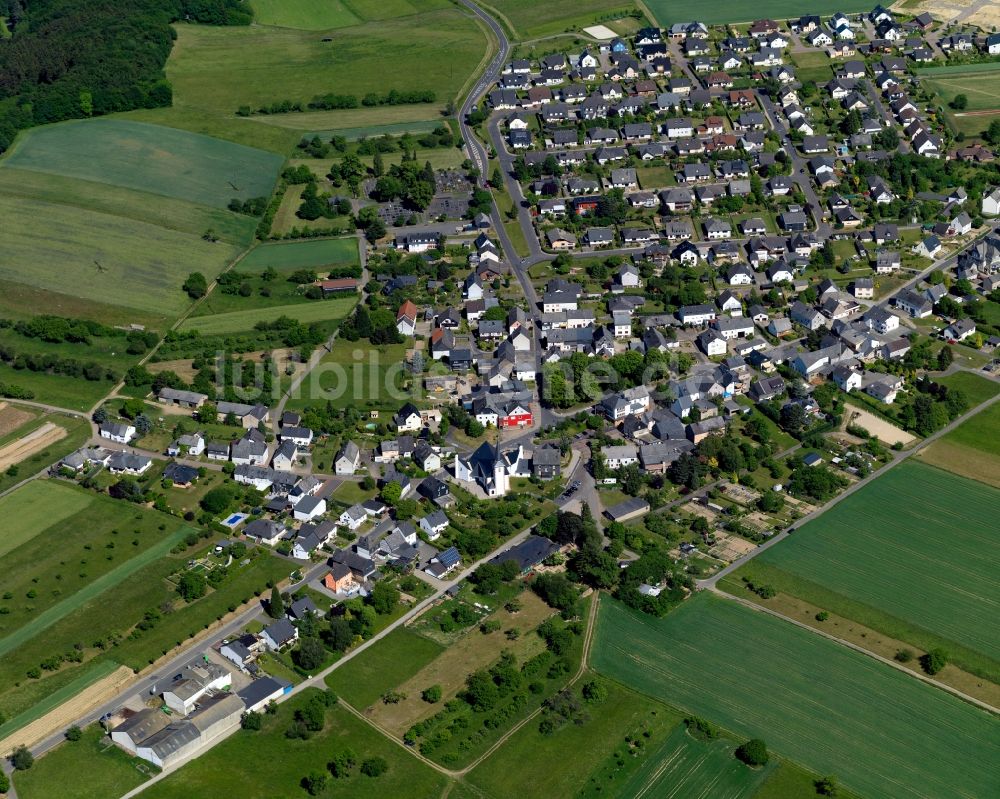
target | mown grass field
[
  {"x": 917, "y": 544},
  {"x": 309, "y": 254},
  {"x": 531, "y": 20},
  {"x": 390, "y": 662},
  {"x": 99, "y": 768},
  {"x": 223, "y": 771},
  {"x": 148, "y": 158},
  {"x": 684, "y": 767},
  {"x": 111, "y": 260},
  {"x": 812, "y": 700},
  {"x": 238, "y": 321},
  {"x": 216, "y": 70},
  {"x": 722, "y": 11},
  {"x": 972, "y": 449}
]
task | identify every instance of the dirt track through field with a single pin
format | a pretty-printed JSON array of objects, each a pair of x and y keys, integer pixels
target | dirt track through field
[
  {"x": 65, "y": 714},
  {"x": 28, "y": 445}
]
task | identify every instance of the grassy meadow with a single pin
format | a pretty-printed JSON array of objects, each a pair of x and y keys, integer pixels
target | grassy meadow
[
  {"x": 355, "y": 373},
  {"x": 309, "y": 254},
  {"x": 916, "y": 544},
  {"x": 216, "y": 70},
  {"x": 222, "y": 772},
  {"x": 238, "y": 321},
  {"x": 99, "y": 768},
  {"x": 386, "y": 664},
  {"x": 812, "y": 700}
]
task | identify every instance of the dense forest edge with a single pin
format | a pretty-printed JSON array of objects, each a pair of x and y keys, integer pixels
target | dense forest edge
[{"x": 71, "y": 59}]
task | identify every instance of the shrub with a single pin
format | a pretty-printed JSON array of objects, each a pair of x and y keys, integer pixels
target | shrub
[
  {"x": 22, "y": 759},
  {"x": 374, "y": 767},
  {"x": 903, "y": 656},
  {"x": 701, "y": 728},
  {"x": 934, "y": 661},
  {"x": 431, "y": 694},
  {"x": 753, "y": 752},
  {"x": 74, "y": 733},
  {"x": 822, "y": 616}
]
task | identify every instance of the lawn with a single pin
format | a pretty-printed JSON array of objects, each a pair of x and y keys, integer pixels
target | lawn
[
  {"x": 101, "y": 258},
  {"x": 355, "y": 373},
  {"x": 223, "y": 771},
  {"x": 216, "y": 70},
  {"x": 27, "y": 511},
  {"x": 530, "y": 19},
  {"x": 972, "y": 449},
  {"x": 916, "y": 544},
  {"x": 682, "y": 767},
  {"x": 532, "y": 764},
  {"x": 812, "y": 700},
  {"x": 238, "y": 321},
  {"x": 722, "y": 11},
  {"x": 148, "y": 158},
  {"x": 99, "y": 768},
  {"x": 383, "y": 666},
  {"x": 310, "y": 254}
]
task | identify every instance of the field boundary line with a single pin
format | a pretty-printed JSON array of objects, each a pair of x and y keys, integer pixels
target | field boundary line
[{"x": 860, "y": 649}]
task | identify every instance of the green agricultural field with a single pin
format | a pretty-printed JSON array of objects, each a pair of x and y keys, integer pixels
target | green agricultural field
[
  {"x": 103, "y": 259},
  {"x": 530, "y": 20},
  {"x": 979, "y": 87},
  {"x": 532, "y": 764},
  {"x": 917, "y": 544},
  {"x": 215, "y": 70},
  {"x": 155, "y": 209},
  {"x": 683, "y": 767},
  {"x": 148, "y": 158},
  {"x": 222, "y": 772},
  {"x": 972, "y": 449},
  {"x": 383, "y": 666},
  {"x": 813, "y": 701},
  {"x": 238, "y": 321},
  {"x": 720, "y": 12},
  {"x": 99, "y": 768},
  {"x": 356, "y": 373},
  {"x": 312, "y": 15},
  {"x": 309, "y": 254}
]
